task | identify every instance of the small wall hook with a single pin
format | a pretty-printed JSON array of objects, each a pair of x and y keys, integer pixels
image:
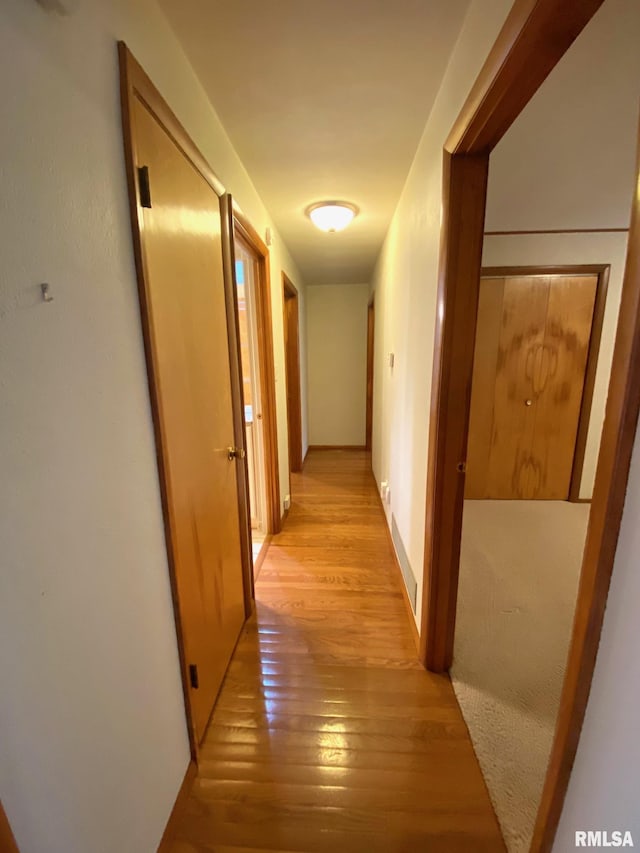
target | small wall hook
[{"x": 46, "y": 293}]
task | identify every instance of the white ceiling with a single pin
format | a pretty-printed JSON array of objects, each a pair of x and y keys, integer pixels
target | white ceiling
[{"x": 322, "y": 100}]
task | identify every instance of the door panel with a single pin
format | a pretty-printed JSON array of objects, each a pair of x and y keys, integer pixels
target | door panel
[
  {"x": 531, "y": 351},
  {"x": 558, "y": 393},
  {"x": 512, "y": 470},
  {"x": 371, "y": 328},
  {"x": 485, "y": 367},
  {"x": 292, "y": 374},
  {"x": 187, "y": 331}
]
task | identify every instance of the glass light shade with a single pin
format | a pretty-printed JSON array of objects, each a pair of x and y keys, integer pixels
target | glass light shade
[{"x": 331, "y": 216}]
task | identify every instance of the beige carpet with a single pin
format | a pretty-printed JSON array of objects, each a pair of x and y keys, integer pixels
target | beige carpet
[{"x": 519, "y": 574}]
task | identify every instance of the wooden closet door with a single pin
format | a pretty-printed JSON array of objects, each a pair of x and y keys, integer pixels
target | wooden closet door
[
  {"x": 532, "y": 342},
  {"x": 184, "y": 313}
]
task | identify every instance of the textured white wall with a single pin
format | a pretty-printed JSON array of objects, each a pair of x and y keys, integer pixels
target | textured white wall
[
  {"x": 93, "y": 744},
  {"x": 337, "y": 363}
]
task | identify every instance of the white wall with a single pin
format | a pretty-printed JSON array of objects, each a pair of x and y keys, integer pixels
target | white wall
[
  {"x": 92, "y": 731},
  {"x": 337, "y": 363},
  {"x": 405, "y": 293}
]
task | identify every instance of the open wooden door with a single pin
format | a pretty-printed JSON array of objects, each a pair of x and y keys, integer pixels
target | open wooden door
[{"x": 187, "y": 325}]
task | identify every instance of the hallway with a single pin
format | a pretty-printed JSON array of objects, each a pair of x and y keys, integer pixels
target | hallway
[{"x": 327, "y": 734}]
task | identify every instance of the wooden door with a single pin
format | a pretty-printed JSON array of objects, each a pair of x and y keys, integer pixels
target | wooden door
[
  {"x": 292, "y": 368},
  {"x": 246, "y": 276},
  {"x": 532, "y": 342},
  {"x": 371, "y": 323},
  {"x": 185, "y": 320}
]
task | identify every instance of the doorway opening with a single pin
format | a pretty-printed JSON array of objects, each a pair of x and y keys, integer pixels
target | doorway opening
[
  {"x": 291, "y": 321},
  {"x": 258, "y": 384},
  {"x": 246, "y": 273},
  {"x": 532, "y": 42},
  {"x": 538, "y": 334}
]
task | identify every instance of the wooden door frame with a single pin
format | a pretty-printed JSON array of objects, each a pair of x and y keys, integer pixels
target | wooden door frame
[
  {"x": 532, "y": 41},
  {"x": 294, "y": 412},
  {"x": 243, "y": 229},
  {"x": 601, "y": 271},
  {"x": 371, "y": 325},
  {"x": 7, "y": 839},
  {"x": 136, "y": 85}
]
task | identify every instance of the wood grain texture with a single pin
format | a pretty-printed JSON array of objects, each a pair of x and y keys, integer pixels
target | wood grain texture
[
  {"x": 463, "y": 207},
  {"x": 240, "y": 436},
  {"x": 559, "y": 231},
  {"x": 485, "y": 368},
  {"x": 291, "y": 321},
  {"x": 257, "y": 565},
  {"x": 601, "y": 271},
  {"x": 591, "y": 370},
  {"x": 371, "y": 326},
  {"x": 193, "y": 423},
  {"x": 403, "y": 588},
  {"x": 178, "y": 807},
  {"x": 328, "y": 735},
  {"x": 557, "y": 378},
  {"x": 246, "y": 233},
  {"x": 337, "y": 447},
  {"x": 191, "y": 370},
  {"x": 533, "y": 337}
]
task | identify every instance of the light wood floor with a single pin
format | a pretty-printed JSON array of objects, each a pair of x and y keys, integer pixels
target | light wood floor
[{"x": 328, "y": 735}]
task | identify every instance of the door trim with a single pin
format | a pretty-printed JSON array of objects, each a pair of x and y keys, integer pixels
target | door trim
[
  {"x": 294, "y": 412},
  {"x": 371, "y": 325},
  {"x": 532, "y": 41},
  {"x": 134, "y": 83},
  {"x": 595, "y": 337},
  {"x": 7, "y": 840},
  {"x": 237, "y": 392},
  {"x": 243, "y": 228}
]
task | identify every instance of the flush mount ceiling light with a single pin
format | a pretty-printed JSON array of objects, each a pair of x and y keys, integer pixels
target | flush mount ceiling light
[{"x": 331, "y": 215}]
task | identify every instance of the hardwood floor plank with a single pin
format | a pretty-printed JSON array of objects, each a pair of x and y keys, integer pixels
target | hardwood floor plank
[{"x": 328, "y": 736}]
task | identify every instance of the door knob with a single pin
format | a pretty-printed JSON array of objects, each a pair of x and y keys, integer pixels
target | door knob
[
  {"x": 235, "y": 453},
  {"x": 528, "y": 402}
]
